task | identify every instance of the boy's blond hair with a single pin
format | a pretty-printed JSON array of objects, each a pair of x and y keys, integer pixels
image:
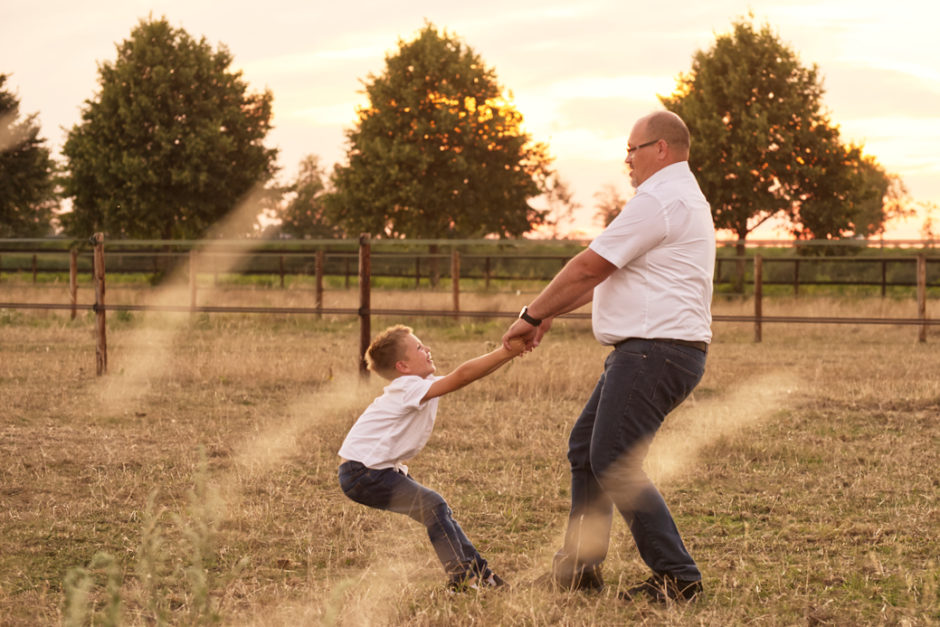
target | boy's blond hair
[{"x": 386, "y": 350}]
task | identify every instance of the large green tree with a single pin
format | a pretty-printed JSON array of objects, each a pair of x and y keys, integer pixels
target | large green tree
[
  {"x": 170, "y": 143},
  {"x": 439, "y": 151},
  {"x": 763, "y": 147},
  {"x": 27, "y": 172}
]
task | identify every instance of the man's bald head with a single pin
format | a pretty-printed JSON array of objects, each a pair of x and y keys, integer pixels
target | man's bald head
[{"x": 668, "y": 126}]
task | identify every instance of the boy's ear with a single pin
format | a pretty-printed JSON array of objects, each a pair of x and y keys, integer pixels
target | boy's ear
[{"x": 402, "y": 367}]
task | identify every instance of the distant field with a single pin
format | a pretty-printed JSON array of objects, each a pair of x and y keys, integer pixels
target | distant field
[{"x": 196, "y": 482}]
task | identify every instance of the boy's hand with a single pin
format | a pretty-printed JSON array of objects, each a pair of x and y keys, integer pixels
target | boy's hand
[{"x": 515, "y": 346}]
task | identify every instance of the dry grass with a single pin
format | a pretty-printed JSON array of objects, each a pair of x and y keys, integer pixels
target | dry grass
[{"x": 802, "y": 473}]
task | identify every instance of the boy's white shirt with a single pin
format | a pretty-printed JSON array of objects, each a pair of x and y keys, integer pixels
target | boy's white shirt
[{"x": 395, "y": 426}]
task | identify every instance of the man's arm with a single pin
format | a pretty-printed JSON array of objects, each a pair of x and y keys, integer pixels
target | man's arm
[
  {"x": 571, "y": 288},
  {"x": 473, "y": 369}
]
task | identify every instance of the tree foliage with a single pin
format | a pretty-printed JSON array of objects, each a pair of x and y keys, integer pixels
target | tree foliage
[
  {"x": 27, "y": 172},
  {"x": 847, "y": 194},
  {"x": 439, "y": 151},
  {"x": 763, "y": 147},
  {"x": 171, "y": 142},
  {"x": 304, "y": 215}
]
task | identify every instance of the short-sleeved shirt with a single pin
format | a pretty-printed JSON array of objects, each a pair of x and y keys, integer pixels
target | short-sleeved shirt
[
  {"x": 395, "y": 427},
  {"x": 663, "y": 244}
]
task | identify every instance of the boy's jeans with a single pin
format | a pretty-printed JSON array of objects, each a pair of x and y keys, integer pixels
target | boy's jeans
[
  {"x": 643, "y": 380},
  {"x": 393, "y": 491}
]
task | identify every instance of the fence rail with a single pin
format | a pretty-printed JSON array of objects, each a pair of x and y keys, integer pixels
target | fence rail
[
  {"x": 792, "y": 271},
  {"x": 365, "y": 311}
]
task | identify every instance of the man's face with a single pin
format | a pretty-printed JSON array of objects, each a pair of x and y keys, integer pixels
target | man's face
[
  {"x": 416, "y": 358},
  {"x": 643, "y": 154}
]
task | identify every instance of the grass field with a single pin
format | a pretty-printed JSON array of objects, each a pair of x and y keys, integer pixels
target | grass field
[{"x": 196, "y": 483}]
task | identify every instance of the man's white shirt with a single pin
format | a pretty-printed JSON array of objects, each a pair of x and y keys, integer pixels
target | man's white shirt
[{"x": 663, "y": 244}]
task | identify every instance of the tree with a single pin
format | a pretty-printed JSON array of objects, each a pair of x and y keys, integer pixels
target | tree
[
  {"x": 439, "y": 151},
  {"x": 847, "y": 194},
  {"x": 561, "y": 206},
  {"x": 609, "y": 204},
  {"x": 762, "y": 146},
  {"x": 27, "y": 172},
  {"x": 170, "y": 144},
  {"x": 304, "y": 216}
]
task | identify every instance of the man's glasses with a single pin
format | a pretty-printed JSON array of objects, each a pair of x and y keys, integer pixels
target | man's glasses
[{"x": 630, "y": 151}]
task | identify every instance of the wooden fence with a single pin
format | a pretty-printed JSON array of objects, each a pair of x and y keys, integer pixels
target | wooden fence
[
  {"x": 340, "y": 261},
  {"x": 365, "y": 311}
]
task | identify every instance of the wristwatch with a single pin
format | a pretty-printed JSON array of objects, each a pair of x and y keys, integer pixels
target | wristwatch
[{"x": 524, "y": 314}]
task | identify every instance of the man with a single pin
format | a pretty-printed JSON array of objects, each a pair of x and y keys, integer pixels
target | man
[{"x": 649, "y": 275}]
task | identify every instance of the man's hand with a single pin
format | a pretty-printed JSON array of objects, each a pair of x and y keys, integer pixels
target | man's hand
[{"x": 520, "y": 330}]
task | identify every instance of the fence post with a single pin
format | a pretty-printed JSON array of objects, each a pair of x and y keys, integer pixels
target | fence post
[
  {"x": 73, "y": 281},
  {"x": 922, "y": 296},
  {"x": 192, "y": 281},
  {"x": 34, "y": 268},
  {"x": 365, "y": 322},
  {"x": 758, "y": 296},
  {"x": 884, "y": 278},
  {"x": 101, "y": 345},
  {"x": 486, "y": 273},
  {"x": 282, "y": 270},
  {"x": 455, "y": 280},
  {"x": 319, "y": 281},
  {"x": 346, "y": 267},
  {"x": 796, "y": 277},
  {"x": 417, "y": 270}
]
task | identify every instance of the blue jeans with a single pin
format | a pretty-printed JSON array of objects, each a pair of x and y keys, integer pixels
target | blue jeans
[
  {"x": 643, "y": 380},
  {"x": 390, "y": 490}
]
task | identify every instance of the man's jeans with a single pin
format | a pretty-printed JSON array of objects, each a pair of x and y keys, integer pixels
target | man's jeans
[
  {"x": 390, "y": 490},
  {"x": 643, "y": 380}
]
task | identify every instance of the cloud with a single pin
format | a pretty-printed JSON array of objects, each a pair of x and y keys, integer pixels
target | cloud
[
  {"x": 866, "y": 92},
  {"x": 313, "y": 62}
]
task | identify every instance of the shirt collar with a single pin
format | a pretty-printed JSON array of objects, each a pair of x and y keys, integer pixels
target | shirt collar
[{"x": 671, "y": 171}]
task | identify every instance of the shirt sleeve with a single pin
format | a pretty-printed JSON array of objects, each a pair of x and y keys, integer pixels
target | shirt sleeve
[
  {"x": 414, "y": 389},
  {"x": 636, "y": 230}
]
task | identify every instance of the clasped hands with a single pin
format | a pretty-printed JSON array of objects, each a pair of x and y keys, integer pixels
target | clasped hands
[{"x": 521, "y": 332}]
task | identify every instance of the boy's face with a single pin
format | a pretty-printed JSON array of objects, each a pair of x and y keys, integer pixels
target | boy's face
[{"x": 416, "y": 358}]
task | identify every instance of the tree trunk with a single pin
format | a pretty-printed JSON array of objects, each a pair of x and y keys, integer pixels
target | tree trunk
[{"x": 740, "y": 266}]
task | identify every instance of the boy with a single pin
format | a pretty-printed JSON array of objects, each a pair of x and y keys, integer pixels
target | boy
[{"x": 394, "y": 428}]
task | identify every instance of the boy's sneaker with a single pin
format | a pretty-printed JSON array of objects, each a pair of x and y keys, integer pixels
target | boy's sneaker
[
  {"x": 663, "y": 588},
  {"x": 494, "y": 581},
  {"x": 471, "y": 581},
  {"x": 463, "y": 584}
]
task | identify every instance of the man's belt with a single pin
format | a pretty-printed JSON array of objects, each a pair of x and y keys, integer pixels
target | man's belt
[{"x": 702, "y": 346}]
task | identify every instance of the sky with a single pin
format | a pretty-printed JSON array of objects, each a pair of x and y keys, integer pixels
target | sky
[{"x": 579, "y": 71}]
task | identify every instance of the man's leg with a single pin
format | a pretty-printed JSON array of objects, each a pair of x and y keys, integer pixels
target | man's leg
[
  {"x": 577, "y": 564},
  {"x": 645, "y": 381}
]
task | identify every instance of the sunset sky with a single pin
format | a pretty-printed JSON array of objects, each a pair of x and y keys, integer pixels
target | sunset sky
[{"x": 580, "y": 72}]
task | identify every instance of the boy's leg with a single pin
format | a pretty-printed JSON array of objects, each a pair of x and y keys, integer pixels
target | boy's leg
[
  {"x": 389, "y": 490},
  {"x": 578, "y": 563}
]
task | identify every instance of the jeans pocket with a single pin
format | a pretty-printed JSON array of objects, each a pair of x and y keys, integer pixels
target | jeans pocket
[{"x": 675, "y": 385}]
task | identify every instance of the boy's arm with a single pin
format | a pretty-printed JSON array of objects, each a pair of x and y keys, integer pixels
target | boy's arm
[{"x": 473, "y": 369}]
